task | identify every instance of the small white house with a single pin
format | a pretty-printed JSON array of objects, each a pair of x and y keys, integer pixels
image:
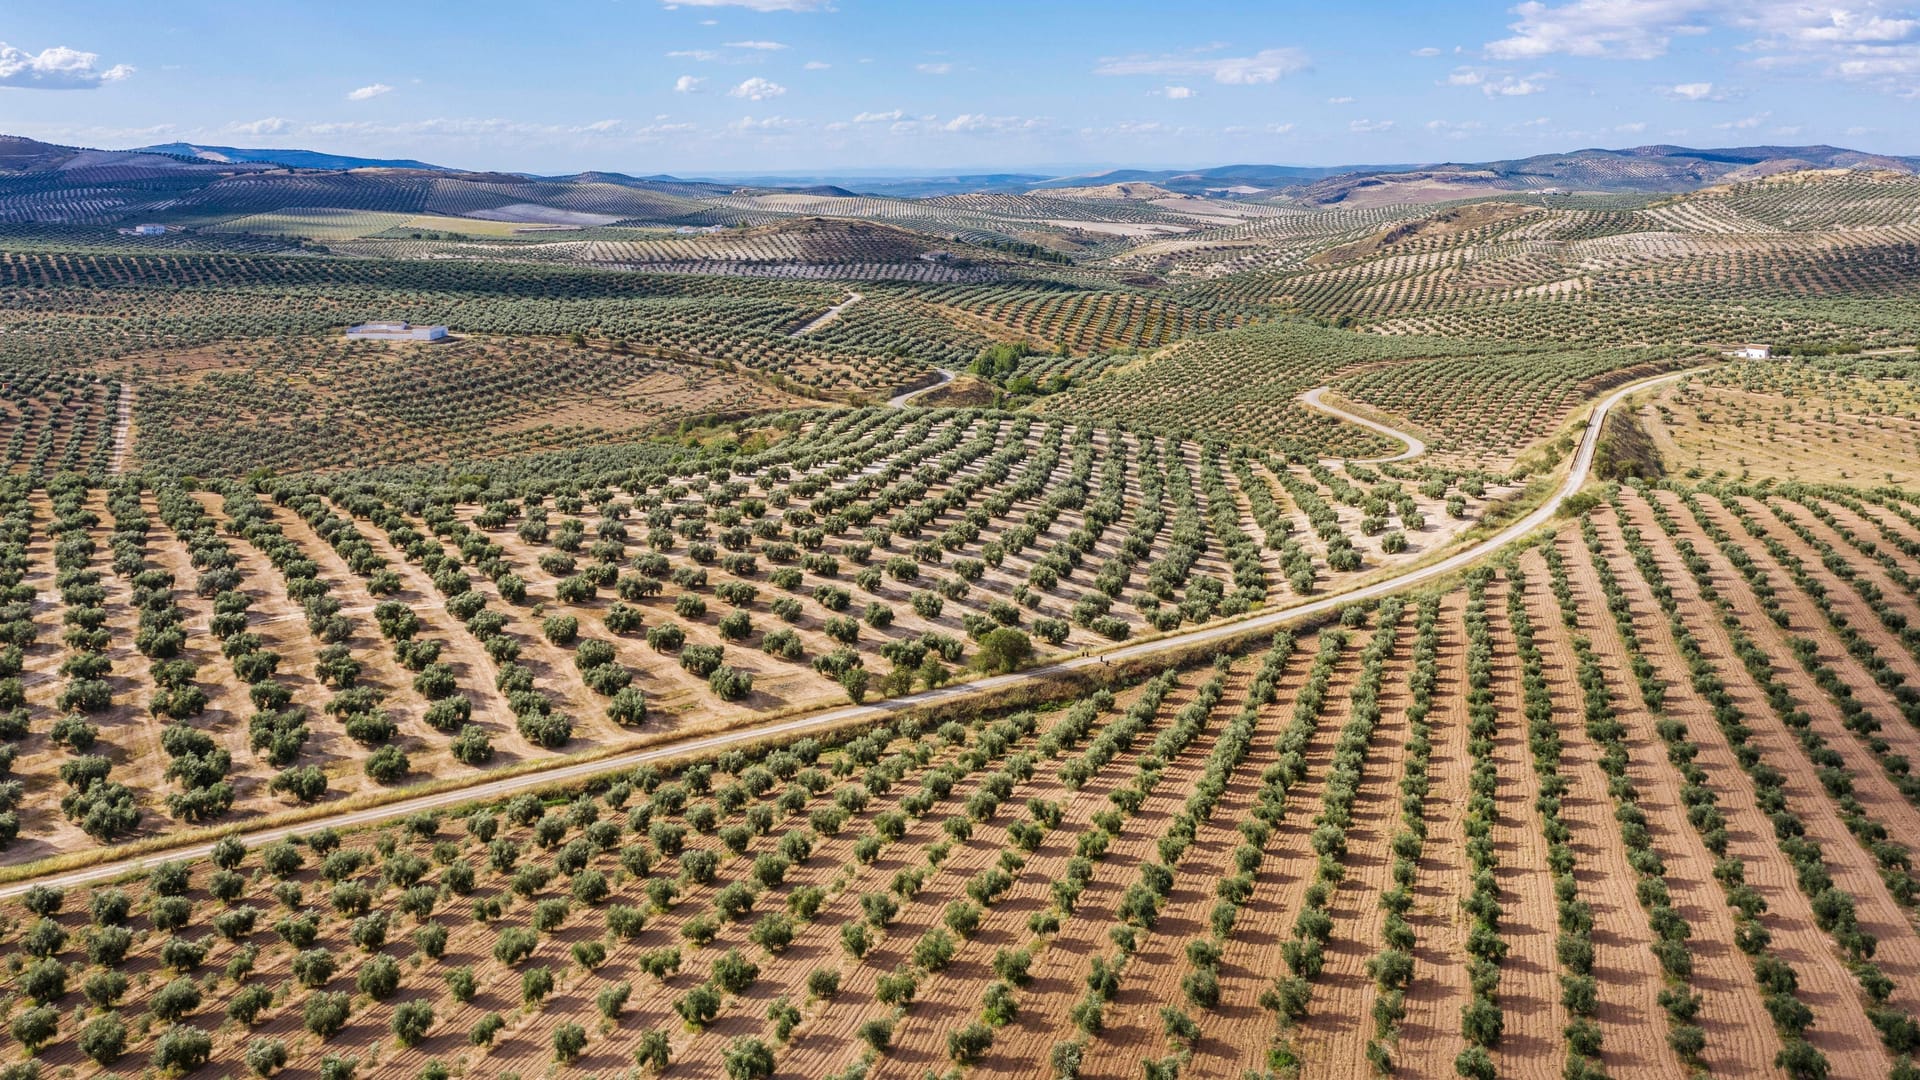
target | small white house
[
  {"x": 395, "y": 331},
  {"x": 149, "y": 230},
  {"x": 1753, "y": 352}
]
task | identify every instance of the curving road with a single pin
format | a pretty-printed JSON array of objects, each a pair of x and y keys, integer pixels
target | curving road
[
  {"x": 1576, "y": 477},
  {"x": 899, "y": 401},
  {"x": 1414, "y": 449}
]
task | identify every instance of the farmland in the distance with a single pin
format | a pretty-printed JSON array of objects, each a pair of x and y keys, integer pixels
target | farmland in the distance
[{"x": 487, "y": 707}]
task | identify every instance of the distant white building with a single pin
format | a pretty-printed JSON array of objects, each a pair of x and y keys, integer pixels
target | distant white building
[
  {"x": 1753, "y": 352},
  {"x": 149, "y": 230},
  {"x": 395, "y": 331}
]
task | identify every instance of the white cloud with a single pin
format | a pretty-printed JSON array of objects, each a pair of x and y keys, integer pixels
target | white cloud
[
  {"x": 1496, "y": 85},
  {"x": 1634, "y": 128},
  {"x": 1342, "y": 100},
  {"x": 759, "y": 46},
  {"x": 1830, "y": 25},
  {"x": 757, "y": 89},
  {"x": 1745, "y": 123},
  {"x": 1428, "y": 51},
  {"x": 1883, "y": 63},
  {"x": 1511, "y": 86},
  {"x": 1367, "y": 127},
  {"x": 56, "y": 68},
  {"x": 1860, "y": 40},
  {"x": 940, "y": 68},
  {"x": 1264, "y": 129},
  {"x": 1455, "y": 130},
  {"x": 368, "y": 93},
  {"x": 969, "y": 123},
  {"x": 271, "y": 125},
  {"x": 766, "y": 124},
  {"x": 701, "y": 55},
  {"x": 1265, "y": 66},
  {"x": 1693, "y": 91},
  {"x": 687, "y": 84},
  {"x": 754, "y": 5},
  {"x": 1617, "y": 29},
  {"x": 816, "y": 65},
  {"x": 887, "y": 117},
  {"x": 1176, "y": 93}
]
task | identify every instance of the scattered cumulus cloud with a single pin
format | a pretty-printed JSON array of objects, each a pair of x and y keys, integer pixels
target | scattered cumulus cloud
[
  {"x": 1176, "y": 93},
  {"x": 758, "y": 46},
  {"x": 1831, "y": 25},
  {"x": 1634, "y": 128},
  {"x": 1514, "y": 86},
  {"x": 1616, "y": 29},
  {"x": 1745, "y": 123},
  {"x": 1342, "y": 100},
  {"x": 816, "y": 65},
  {"x": 1428, "y": 51},
  {"x": 936, "y": 68},
  {"x": 757, "y": 89},
  {"x": 56, "y": 68},
  {"x": 1265, "y": 66},
  {"x": 1369, "y": 127},
  {"x": 702, "y": 55},
  {"x": 888, "y": 117},
  {"x": 687, "y": 84},
  {"x": 1694, "y": 91},
  {"x": 1858, "y": 40},
  {"x": 1494, "y": 84},
  {"x": 368, "y": 93},
  {"x": 767, "y": 124}
]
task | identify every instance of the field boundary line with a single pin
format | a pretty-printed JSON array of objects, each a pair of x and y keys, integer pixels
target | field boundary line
[{"x": 1088, "y": 664}]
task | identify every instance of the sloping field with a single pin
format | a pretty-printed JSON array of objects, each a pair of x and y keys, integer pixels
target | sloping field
[
  {"x": 211, "y": 650},
  {"x": 1591, "y": 810}
]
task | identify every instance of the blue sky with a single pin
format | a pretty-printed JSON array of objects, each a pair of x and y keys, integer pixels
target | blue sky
[{"x": 704, "y": 86}]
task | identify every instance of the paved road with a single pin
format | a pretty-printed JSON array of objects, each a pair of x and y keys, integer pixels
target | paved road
[
  {"x": 829, "y": 315},
  {"x": 1273, "y": 620},
  {"x": 899, "y": 401},
  {"x": 1414, "y": 449}
]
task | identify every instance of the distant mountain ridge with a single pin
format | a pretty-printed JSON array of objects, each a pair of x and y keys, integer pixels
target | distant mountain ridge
[
  {"x": 46, "y": 182},
  {"x": 296, "y": 159}
]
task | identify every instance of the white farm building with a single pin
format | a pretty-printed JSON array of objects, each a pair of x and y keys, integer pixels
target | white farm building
[
  {"x": 395, "y": 331},
  {"x": 1753, "y": 352}
]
